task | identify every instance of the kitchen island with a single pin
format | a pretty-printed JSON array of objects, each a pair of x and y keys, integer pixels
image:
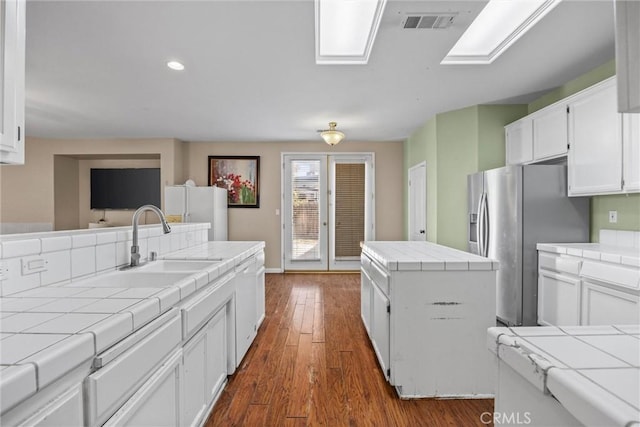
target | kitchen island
[
  {"x": 568, "y": 376},
  {"x": 84, "y": 343},
  {"x": 426, "y": 308}
]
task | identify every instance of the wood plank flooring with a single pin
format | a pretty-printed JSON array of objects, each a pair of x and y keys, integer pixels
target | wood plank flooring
[{"x": 312, "y": 365}]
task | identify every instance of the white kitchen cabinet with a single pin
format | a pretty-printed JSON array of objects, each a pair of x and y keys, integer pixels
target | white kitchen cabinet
[
  {"x": 260, "y": 295},
  {"x": 380, "y": 320},
  {"x": 558, "y": 299},
  {"x": 631, "y": 152},
  {"x": 65, "y": 410},
  {"x": 157, "y": 402},
  {"x": 602, "y": 305},
  {"x": 365, "y": 299},
  {"x": 12, "y": 95},
  {"x": 204, "y": 360},
  {"x": 550, "y": 132},
  {"x": 519, "y": 141},
  {"x": 246, "y": 307},
  {"x": 595, "y": 154}
]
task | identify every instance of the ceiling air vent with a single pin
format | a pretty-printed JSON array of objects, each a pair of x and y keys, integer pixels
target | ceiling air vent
[{"x": 430, "y": 21}]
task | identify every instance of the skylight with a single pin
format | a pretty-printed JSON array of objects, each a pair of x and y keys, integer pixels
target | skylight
[
  {"x": 497, "y": 27},
  {"x": 346, "y": 30}
]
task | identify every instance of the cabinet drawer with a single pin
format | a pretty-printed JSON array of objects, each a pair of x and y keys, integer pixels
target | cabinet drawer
[
  {"x": 260, "y": 259},
  {"x": 108, "y": 388},
  {"x": 198, "y": 311},
  {"x": 380, "y": 278},
  {"x": 617, "y": 275},
  {"x": 605, "y": 306},
  {"x": 559, "y": 263}
]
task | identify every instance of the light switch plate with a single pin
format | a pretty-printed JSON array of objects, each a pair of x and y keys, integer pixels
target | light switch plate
[{"x": 613, "y": 217}]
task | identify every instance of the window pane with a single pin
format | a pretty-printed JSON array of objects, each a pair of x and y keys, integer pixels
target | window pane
[{"x": 305, "y": 186}]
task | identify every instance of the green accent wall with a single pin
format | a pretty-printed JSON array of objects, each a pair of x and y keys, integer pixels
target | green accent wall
[
  {"x": 628, "y": 206},
  {"x": 455, "y": 144}
]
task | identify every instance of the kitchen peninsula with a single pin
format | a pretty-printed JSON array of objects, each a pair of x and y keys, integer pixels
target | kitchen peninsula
[
  {"x": 426, "y": 308},
  {"x": 86, "y": 344}
]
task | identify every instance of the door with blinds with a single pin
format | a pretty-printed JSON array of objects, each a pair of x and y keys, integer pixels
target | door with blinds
[{"x": 327, "y": 210}]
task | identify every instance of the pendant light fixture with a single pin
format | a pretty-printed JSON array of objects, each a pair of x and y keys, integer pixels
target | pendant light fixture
[{"x": 332, "y": 136}]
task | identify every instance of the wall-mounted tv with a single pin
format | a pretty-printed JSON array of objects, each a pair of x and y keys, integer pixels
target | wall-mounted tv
[{"x": 124, "y": 188}]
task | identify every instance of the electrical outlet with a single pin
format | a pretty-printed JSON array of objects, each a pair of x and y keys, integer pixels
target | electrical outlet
[{"x": 613, "y": 217}]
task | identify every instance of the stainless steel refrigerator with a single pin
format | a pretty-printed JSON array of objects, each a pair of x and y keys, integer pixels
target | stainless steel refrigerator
[{"x": 511, "y": 209}]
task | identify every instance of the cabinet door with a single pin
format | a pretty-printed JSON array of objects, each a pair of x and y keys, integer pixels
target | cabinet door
[
  {"x": 194, "y": 362},
  {"x": 260, "y": 296},
  {"x": 550, "y": 132},
  {"x": 595, "y": 156},
  {"x": 12, "y": 61},
  {"x": 631, "y": 151},
  {"x": 245, "y": 309},
  {"x": 66, "y": 410},
  {"x": 519, "y": 142},
  {"x": 157, "y": 402},
  {"x": 216, "y": 355},
  {"x": 365, "y": 300},
  {"x": 605, "y": 306},
  {"x": 558, "y": 299},
  {"x": 380, "y": 324}
]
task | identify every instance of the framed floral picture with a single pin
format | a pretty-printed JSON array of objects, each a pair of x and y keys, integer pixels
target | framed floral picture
[{"x": 239, "y": 176}]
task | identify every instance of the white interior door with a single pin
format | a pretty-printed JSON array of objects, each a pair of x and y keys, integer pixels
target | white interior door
[
  {"x": 418, "y": 202},
  {"x": 327, "y": 210},
  {"x": 305, "y": 212}
]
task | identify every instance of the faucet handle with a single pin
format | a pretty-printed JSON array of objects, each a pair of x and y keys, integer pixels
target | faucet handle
[{"x": 153, "y": 255}]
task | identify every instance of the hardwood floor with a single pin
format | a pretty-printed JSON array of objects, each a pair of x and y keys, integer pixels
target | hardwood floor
[{"x": 312, "y": 364}]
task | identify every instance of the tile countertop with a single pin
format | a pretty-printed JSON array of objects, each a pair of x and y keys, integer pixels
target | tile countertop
[
  {"x": 628, "y": 256},
  {"x": 48, "y": 331},
  {"x": 593, "y": 371},
  {"x": 410, "y": 255}
]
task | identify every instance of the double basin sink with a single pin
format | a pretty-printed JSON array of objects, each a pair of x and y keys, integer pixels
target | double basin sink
[{"x": 154, "y": 274}]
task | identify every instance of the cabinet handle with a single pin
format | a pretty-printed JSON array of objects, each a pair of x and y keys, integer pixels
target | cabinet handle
[{"x": 18, "y": 133}]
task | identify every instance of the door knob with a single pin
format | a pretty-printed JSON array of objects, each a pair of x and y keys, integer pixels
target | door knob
[{"x": 324, "y": 223}]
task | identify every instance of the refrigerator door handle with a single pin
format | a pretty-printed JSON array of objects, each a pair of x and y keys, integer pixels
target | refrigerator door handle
[
  {"x": 485, "y": 226},
  {"x": 479, "y": 228}
]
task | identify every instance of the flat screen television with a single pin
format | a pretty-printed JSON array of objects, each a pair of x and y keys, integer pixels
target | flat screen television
[{"x": 125, "y": 188}]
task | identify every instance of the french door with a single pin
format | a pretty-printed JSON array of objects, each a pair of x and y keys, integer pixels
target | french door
[{"x": 327, "y": 210}]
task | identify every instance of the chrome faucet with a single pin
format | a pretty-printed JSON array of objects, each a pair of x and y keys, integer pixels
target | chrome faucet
[{"x": 135, "y": 249}]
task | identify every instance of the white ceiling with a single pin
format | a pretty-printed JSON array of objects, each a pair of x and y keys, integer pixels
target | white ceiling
[{"x": 96, "y": 69}]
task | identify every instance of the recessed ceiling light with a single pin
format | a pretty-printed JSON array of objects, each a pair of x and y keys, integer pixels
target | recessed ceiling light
[
  {"x": 497, "y": 27},
  {"x": 175, "y": 65},
  {"x": 345, "y": 30}
]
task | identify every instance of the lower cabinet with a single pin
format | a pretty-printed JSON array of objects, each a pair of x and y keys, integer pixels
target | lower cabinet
[
  {"x": 66, "y": 410},
  {"x": 380, "y": 320},
  {"x": 365, "y": 300},
  {"x": 157, "y": 402},
  {"x": 602, "y": 305},
  {"x": 260, "y": 295},
  {"x": 246, "y": 325},
  {"x": 204, "y": 361},
  {"x": 558, "y": 299}
]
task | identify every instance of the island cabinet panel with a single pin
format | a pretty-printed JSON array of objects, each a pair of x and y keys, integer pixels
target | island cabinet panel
[{"x": 428, "y": 316}]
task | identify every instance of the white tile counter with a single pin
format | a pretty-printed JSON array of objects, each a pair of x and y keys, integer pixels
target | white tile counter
[
  {"x": 47, "y": 331},
  {"x": 581, "y": 375},
  {"x": 627, "y": 256},
  {"x": 408, "y": 256}
]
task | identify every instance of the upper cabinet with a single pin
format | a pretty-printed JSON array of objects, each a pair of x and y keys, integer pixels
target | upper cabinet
[
  {"x": 519, "y": 137},
  {"x": 595, "y": 138},
  {"x": 12, "y": 43},
  {"x": 550, "y": 132},
  {"x": 628, "y": 55},
  {"x": 602, "y": 146}
]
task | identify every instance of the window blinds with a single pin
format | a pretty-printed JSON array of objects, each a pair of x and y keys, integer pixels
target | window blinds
[{"x": 349, "y": 209}]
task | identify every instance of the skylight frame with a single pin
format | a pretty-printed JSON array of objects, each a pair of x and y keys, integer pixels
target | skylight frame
[
  {"x": 489, "y": 17},
  {"x": 342, "y": 32}
]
